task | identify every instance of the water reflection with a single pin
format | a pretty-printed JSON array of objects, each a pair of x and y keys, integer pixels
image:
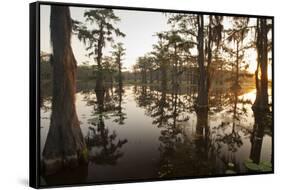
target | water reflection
[
  {"x": 119, "y": 115},
  {"x": 103, "y": 147},
  {"x": 158, "y": 131},
  {"x": 102, "y": 143}
]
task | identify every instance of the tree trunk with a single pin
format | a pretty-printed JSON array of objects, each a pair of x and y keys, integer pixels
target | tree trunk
[
  {"x": 120, "y": 81},
  {"x": 65, "y": 143},
  {"x": 261, "y": 102},
  {"x": 99, "y": 88},
  {"x": 209, "y": 56},
  {"x": 257, "y": 136},
  {"x": 202, "y": 99},
  {"x": 202, "y": 133},
  {"x": 202, "y": 123},
  {"x": 263, "y": 66}
]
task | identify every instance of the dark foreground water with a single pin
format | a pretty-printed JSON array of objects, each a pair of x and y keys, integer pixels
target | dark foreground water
[{"x": 146, "y": 133}]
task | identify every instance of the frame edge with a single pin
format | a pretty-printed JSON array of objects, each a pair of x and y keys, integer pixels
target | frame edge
[{"x": 33, "y": 128}]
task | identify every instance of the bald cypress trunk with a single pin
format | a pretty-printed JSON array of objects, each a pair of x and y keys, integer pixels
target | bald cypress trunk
[
  {"x": 202, "y": 99},
  {"x": 65, "y": 142},
  {"x": 202, "y": 134},
  {"x": 209, "y": 53},
  {"x": 261, "y": 102},
  {"x": 257, "y": 136}
]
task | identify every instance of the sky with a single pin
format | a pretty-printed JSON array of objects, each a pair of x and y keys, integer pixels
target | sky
[{"x": 139, "y": 27}]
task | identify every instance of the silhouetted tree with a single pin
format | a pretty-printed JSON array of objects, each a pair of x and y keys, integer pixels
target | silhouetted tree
[
  {"x": 109, "y": 69},
  {"x": 193, "y": 29},
  {"x": 161, "y": 57},
  {"x": 143, "y": 65},
  {"x": 95, "y": 39},
  {"x": 262, "y": 47},
  {"x": 202, "y": 99},
  {"x": 215, "y": 29}
]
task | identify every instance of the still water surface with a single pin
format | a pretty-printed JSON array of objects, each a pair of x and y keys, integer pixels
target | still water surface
[{"x": 146, "y": 133}]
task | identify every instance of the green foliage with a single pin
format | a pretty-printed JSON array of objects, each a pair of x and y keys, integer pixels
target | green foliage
[{"x": 263, "y": 166}]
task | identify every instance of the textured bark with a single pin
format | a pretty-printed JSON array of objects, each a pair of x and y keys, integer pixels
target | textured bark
[{"x": 65, "y": 142}]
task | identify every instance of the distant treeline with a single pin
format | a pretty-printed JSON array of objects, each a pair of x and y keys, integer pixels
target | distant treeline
[{"x": 189, "y": 75}]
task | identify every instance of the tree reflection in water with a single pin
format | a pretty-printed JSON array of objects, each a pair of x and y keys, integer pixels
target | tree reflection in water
[
  {"x": 119, "y": 114},
  {"x": 228, "y": 133},
  {"x": 103, "y": 146},
  {"x": 189, "y": 142},
  {"x": 104, "y": 149},
  {"x": 171, "y": 113},
  {"x": 207, "y": 150}
]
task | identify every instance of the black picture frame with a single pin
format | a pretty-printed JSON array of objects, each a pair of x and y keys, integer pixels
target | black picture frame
[{"x": 34, "y": 91}]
